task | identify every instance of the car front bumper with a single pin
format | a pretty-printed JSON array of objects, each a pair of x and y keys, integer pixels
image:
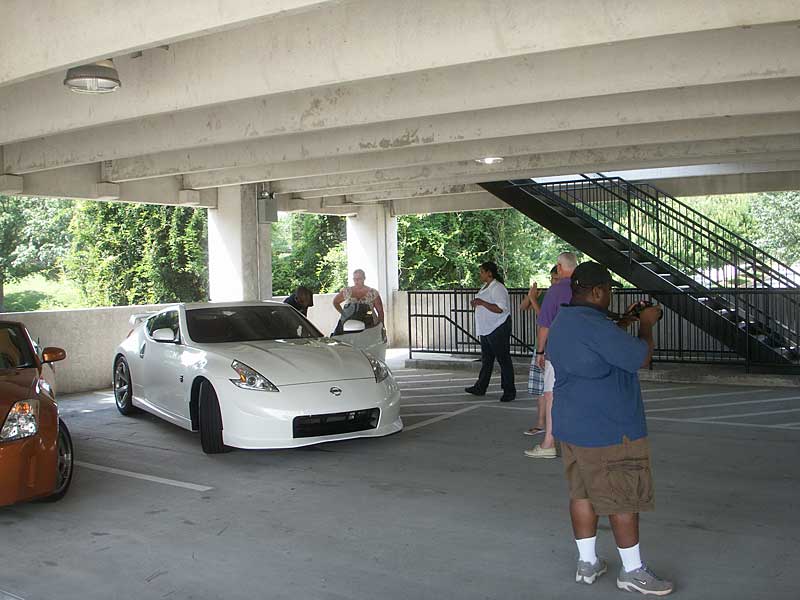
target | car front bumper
[
  {"x": 27, "y": 469},
  {"x": 266, "y": 420}
]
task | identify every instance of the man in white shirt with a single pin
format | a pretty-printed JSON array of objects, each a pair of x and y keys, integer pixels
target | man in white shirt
[{"x": 493, "y": 326}]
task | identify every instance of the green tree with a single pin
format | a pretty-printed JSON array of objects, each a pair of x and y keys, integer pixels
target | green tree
[
  {"x": 309, "y": 250},
  {"x": 33, "y": 237},
  {"x": 138, "y": 254},
  {"x": 777, "y": 218},
  {"x": 441, "y": 251}
]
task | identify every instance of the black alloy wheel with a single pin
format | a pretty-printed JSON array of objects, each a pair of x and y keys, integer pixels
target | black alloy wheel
[
  {"x": 123, "y": 387},
  {"x": 65, "y": 464}
]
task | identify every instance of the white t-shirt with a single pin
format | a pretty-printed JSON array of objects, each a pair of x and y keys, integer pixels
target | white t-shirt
[{"x": 485, "y": 320}]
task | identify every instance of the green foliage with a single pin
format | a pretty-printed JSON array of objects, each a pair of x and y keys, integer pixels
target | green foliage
[
  {"x": 777, "y": 216},
  {"x": 443, "y": 251},
  {"x": 33, "y": 237},
  {"x": 138, "y": 254},
  {"x": 308, "y": 250},
  {"x": 36, "y": 292}
]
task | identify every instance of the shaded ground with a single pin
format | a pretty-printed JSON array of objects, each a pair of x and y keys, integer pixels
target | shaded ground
[{"x": 449, "y": 508}]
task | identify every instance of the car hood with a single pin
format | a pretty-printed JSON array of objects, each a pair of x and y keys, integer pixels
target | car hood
[
  {"x": 15, "y": 386},
  {"x": 290, "y": 362}
]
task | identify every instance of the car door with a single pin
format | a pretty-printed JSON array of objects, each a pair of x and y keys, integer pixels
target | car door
[{"x": 163, "y": 366}]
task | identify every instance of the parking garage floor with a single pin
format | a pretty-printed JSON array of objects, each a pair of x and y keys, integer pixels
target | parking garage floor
[{"x": 449, "y": 508}]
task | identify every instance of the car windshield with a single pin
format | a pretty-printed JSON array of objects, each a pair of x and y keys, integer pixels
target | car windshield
[
  {"x": 247, "y": 324},
  {"x": 15, "y": 349}
]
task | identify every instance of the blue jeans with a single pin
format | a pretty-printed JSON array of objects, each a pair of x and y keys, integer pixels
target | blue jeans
[{"x": 497, "y": 345}]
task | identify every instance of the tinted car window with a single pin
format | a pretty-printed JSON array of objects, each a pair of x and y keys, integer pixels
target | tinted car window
[
  {"x": 247, "y": 324},
  {"x": 167, "y": 320},
  {"x": 15, "y": 349}
]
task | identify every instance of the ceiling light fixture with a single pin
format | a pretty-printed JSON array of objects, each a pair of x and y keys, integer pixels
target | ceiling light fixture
[
  {"x": 489, "y": 160},
  {"x": 96, "y": 78}
]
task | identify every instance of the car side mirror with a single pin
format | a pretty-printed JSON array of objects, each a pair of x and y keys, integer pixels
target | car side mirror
[
  {"x": 353, "y": 326},
  {"x": 165, "y": 334},
  {"x": 52, "y": 354}
]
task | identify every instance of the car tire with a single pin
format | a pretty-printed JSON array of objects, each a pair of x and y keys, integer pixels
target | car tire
[
  {"x": 210, "y": 421},
  {"x": 123, "y": 387},
  {"x": 66, "y": 464}
]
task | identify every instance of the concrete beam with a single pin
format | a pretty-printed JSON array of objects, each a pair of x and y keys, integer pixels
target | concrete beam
[
  {"x": 371, "y": 146},
  {"x": 740, "y": 183},
  {"x": 10, "y": 185},
  {"x": 421, "y": 191},
  {"x": 85, "y": 182},
  {"x": 530, "y": 40},
  {"x": 603, "y": 159},
  {"x": 446, "y": 203},
  {"x": 396, "y": 99},
  {"x": 286, "y": 203},
  {"x": 120, "y": 27}
]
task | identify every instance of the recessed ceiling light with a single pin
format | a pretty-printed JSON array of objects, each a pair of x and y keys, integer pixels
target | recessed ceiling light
[
  {"x": 96, "y": 78},
  {"x": 489, "y": 160}
]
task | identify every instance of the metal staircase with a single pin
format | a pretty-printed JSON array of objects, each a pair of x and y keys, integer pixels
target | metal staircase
[{"x": 712, "y": 277}]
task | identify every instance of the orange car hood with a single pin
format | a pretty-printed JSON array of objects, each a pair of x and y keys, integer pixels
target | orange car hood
[{"x": 14, "y": 386}]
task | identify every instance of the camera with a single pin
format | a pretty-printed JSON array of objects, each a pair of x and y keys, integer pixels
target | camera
[{"x": 637, "y": 309}]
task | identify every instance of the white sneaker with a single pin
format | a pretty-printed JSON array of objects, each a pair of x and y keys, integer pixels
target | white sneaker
[{"x": 538, "y": 452}]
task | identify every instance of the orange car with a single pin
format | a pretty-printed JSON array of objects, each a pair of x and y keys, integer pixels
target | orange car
[{"x": 35, "y": 445}]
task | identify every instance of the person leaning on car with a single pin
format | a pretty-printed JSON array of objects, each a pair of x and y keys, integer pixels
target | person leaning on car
[
  {"x": 301, "y": 299},
  {"x": 598, "y": 416}
]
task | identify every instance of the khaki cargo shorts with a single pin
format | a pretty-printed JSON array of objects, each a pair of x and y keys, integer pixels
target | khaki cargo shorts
[{"x": 615, "y": 479}]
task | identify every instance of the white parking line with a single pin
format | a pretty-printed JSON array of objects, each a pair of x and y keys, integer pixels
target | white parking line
[
  {"x": 437, "y": 380},
  {"x": 753, "y": 414},
  {"x": 731, "y": 423},
  {"x": 444, "y": 387},
  {"x": 718, "y": 404},
  {"x": 668, "y": 389},
  {"x": 9, "y": 596},
  {"x": 425, "y": 414},
  {"x": 451, "y": 395},
  {"x": 445, "y": 403},
  {"x": 714, "y": 395},
  {"x": 437, "y": 374},
  {"x": 442, "y": 417},
  {"x": 134, "y": 475}
]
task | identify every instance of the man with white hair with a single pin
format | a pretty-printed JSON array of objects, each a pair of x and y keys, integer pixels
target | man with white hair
[{"x": 560, "y": 293}]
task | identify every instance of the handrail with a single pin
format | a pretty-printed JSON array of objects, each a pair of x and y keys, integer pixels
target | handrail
[{"x": 760, "y": 271}]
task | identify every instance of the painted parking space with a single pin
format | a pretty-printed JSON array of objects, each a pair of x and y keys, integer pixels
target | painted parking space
[{"x": 692, "y": 404}]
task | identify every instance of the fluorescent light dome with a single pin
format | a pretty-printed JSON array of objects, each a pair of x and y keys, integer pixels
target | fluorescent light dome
[
  {"x": 489, "y": 160},
  {"x": 96, "y": 78}
]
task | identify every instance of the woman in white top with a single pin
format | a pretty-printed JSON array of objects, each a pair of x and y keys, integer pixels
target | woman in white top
[
  {"x": 350, "y": 299},
  {"x": 493, "y": 326}
]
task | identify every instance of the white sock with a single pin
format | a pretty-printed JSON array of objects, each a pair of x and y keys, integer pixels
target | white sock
[
  {"x": 630, "y": 558},
  {"x": 586, "y": 550}
]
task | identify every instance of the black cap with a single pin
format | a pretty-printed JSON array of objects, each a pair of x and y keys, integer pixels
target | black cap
[{"x": 591, "y": 274}]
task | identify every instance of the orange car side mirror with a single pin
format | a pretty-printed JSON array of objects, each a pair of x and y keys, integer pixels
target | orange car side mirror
[{"x": 52, "y": 354}]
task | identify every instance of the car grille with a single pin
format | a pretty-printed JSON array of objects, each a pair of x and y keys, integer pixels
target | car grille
[{"x": 335, "y": 423}]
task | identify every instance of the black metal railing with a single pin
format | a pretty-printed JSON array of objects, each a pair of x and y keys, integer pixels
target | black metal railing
[
  {"x": 671, "y": 230},
  {"x": 443, "y": 322}
]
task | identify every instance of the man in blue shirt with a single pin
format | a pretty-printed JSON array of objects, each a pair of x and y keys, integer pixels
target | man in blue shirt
[{"x": 598, "y": 415}]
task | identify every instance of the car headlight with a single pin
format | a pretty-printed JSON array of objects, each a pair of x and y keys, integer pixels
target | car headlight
[
  {"x": 378, "y": 367},
  {"x": 21, "y": 422},
  {"x": 250, "y": 379}
]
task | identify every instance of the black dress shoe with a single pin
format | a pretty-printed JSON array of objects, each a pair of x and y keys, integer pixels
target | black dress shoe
[
  {"x": 507, "y": 397},
  {"x": 474, "y": 391}
]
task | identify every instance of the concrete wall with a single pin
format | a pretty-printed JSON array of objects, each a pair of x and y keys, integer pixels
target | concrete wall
[{"x": 89, "y": 336}]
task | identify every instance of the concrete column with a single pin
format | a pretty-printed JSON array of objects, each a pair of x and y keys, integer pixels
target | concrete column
[
  {"x": 239, "y": 247},
  {"x": 372, "y": 246}
]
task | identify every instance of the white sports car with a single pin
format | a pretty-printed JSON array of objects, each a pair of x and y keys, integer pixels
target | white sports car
[{"x": 252, "y": 375}]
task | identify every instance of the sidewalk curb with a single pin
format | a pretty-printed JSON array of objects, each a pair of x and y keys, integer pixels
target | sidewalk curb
[{"x": 696, "y": 374}]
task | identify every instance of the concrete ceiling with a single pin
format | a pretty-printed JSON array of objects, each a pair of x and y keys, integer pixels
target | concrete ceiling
[{"x": 340, "y": 103}]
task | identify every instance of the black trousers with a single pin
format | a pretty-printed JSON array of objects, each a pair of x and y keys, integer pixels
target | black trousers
[{"x": 497, "y": 345}]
